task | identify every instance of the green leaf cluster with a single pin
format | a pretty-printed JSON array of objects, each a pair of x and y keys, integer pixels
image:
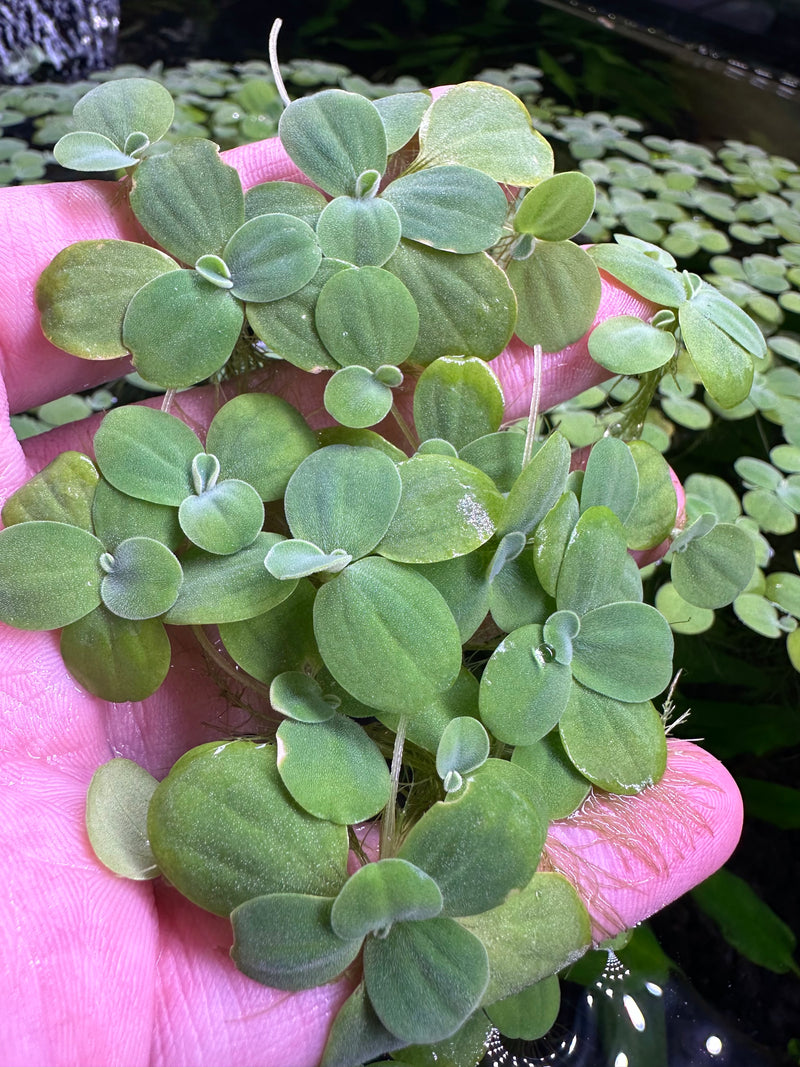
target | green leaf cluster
[{"x": 453, "y": 640}]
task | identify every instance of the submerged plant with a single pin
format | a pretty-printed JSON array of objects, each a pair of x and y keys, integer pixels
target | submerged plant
[{"x": 349, "y": 580}]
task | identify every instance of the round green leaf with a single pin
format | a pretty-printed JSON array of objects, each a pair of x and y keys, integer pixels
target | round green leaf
[
  {"x": 382, "y": 893},
  {"x": 625, "y": 344},
  {"x": 333, "y": 769},
  {"x": 557, "y": 208},
  {"x": 641, "y": 272},
  {"x": 463, "y": 747},
  {"x": 611, "y": 478},
  {"x": 713, "y": 569},
  {"x": 558, "y": 788},
  {"x": 387, "y": 635},
  {"x": 486, "y": 127},
  {"x": 180, "y": 328},
  {"x": 188, "y": 200},
  {"x": 225, "y": 589},
  {"x": 769, "y": 511},
  {"x": 84, "y": 292},
  {"x": 550, "y": 540},
  {"x": 62, "y": 491},
  {"x": 729, "y": 318},
  {"x": 529, "y": 1014},
  {"x": 363, "y": 232},
  {"x": 116, "y": 659},
  {"x": 725, "y": 368},
  {"x": 142, "y": 579},
  {"x": 333, "y": 137},
  {"x": 426, "y": 978},
  {"x": 260, "y": 439},
  {"x": 454, "y": 208},
  {"x": 90, "y": 152},
  {"x": 535, "y": 933},
  {"x": 49, "y": 574},
  {"x": 516, "y": 597},
  {"x": 299, "y": 559},
  {"x": 783, "y": 588},
  {"x": 538, "y": 487},
  {"x": 524, "y": 689},
  {"x": 219, "y": 823},
  {"x": 497, "y": 454},
  {"x": 618, "y": 746},
  {"x": 401, "y": 114},
  {"x": 683, "y": 617},
  {"x": 287, "y": 325},
  {"x": 258, "y": 644},
  {"x": 758, "y": 614},
  {"x": 285, "y": 198},
  {"x": 116, "y": 818},
  {"x": 446, "y": 509},
  {"x": 343, "y": 497},
  {"x": 215, "y": 270},
  {"x": 653, "y": 515},
  {"x": 356, "y": 398},
  {"x": 122, "y": 106},
  {"x": 298, "y": 696},
  {"x": 558, "y": 293},
  {"x": 458, "y": 399},
  {"x": 624, "y": 651},
  {"x": 463, "y": 583},
  {"x": 285, "y": 941},
  {"x": 440, "y": 282},
  {"x": 147, "y": 453},
  {"x": 594, "y": 568},
  {"x": 223, "y": 519},
  {"x": 366, "y": 316},
  {"x": 270, "y": 257},
  {"x": 456, "y": 840},
  {"x": 559, "y": 632}
]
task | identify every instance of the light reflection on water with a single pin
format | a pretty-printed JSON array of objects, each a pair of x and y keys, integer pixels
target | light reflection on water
[{"x": 626, "y": 1020}]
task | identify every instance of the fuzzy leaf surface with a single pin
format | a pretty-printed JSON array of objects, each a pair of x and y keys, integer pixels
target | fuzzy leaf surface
[
  {"x": 218, "y": 824},
  {"x": 83, "y": 294},
  {"x": 116, "y": 818},
  {"x": 333, "y": 769},
  {"x": 387, "y": 635}
]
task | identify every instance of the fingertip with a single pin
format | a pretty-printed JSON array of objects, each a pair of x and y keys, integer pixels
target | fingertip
[{"x": 631, "y": 856}]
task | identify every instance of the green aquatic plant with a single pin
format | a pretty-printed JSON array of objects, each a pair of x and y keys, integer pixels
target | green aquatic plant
[{"x": 349, "y": 580}]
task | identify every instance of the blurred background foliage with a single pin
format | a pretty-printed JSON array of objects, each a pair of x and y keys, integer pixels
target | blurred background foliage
[{"x": 720, "y": 191}]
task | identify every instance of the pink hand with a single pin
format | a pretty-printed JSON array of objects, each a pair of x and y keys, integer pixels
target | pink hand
[{"x": 101, "y": 970}]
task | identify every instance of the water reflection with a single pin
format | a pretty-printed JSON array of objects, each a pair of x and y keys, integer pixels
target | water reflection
[{"x": 624, "y": 1018}]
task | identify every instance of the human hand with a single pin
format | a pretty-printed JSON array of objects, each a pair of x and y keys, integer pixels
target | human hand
[{"x": 101, "y": 970}]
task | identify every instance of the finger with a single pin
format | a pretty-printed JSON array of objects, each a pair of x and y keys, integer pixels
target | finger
[{"x": 630, "y": 856}]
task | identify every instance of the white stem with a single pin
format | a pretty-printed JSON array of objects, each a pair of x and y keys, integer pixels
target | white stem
[
  {"x": 536, "y": 397},
  {"x": 389, "y": 812},
  {"x": 166, "y": 402},
  {"x": 273, "y": 62}
]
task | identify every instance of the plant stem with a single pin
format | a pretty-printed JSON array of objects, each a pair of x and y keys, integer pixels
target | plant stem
[
  {"x": 406, "y": 430},
  {"x": 273, "y": 62},
  {"x": 390, "y": 811},
  {"x": 536, "y": 398},
  {"x": 628, "y": 420},
  {"x": 166, "y": 402}
]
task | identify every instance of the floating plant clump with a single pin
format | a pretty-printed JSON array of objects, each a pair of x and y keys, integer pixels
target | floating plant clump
[{"x": 350, "y": 581}]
